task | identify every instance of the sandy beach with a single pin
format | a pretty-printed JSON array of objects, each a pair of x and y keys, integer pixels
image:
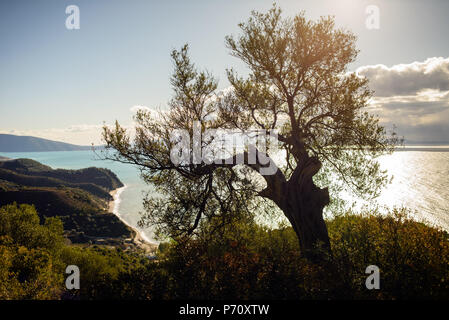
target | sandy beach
[
  {"x": 138, "y": 240},
  {"x": 111, "y": 204}
]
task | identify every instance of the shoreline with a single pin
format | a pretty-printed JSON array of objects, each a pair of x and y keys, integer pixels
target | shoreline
[{"x": 138, "y": 239}]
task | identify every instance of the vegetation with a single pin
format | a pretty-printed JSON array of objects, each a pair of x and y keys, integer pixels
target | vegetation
[
  {"x": 34, "y": 257},
  {"x": 252, "y": 262},
  {"x": 29, "y": 267},
  {"x": 208, "y": 212},
  {"x": 297, "y": 84},
  {"x": 27, "y": 172},
  {"x": 78, "y": 197},
  {"x": 245, "y": 262}
]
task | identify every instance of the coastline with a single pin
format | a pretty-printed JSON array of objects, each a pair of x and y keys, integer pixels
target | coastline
[{"x": 138, "y": 240}]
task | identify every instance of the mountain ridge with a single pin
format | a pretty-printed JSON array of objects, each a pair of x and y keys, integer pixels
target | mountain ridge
[{"x": 14, "y": 143}]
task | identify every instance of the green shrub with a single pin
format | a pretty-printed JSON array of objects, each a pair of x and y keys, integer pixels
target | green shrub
[
  {"x": 245, "y": 261},
  {"x": 413, "y": 258},
  {"x": 29, "y": 254},
  {"x": 252, "y": 262}
]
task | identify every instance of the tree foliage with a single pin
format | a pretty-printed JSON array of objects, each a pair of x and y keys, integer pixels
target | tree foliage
[{"x": 299, "y": 85}]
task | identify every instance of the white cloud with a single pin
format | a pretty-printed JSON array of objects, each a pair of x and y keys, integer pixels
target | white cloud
[
  {"x": 134, "y": 109},
  {"x": 155, "y": 113},
  {"x": 413, "y": 96},
  {"x": 407, "y": 79}
]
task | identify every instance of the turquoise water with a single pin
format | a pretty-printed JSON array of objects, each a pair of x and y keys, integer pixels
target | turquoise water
[{"x": 421, "y": 182}]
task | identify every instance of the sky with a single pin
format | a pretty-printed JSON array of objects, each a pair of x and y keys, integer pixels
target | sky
[{"x": 63, "y": 84}]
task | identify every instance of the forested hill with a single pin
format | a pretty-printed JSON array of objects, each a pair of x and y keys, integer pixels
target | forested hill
[
  {"x": 12, "y": 143},
  {"x": 79, "y": 197}
]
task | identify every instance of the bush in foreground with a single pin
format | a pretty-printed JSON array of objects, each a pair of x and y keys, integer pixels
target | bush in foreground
[
  {"x": 252, "y": 262},
  {"x": 246, "y": 261}
]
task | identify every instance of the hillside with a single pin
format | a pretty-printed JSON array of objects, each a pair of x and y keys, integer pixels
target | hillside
[
  {"x": 79, "y": 197},
  {"x": 12, "y": 143},
  {"x": 27, "y": 172}
]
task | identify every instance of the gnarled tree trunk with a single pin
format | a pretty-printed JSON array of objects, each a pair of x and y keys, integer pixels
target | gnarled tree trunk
[{"x": 303, "y": 205}]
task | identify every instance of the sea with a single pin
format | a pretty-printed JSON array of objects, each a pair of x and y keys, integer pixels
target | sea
[{"x": 420, "y": 182}]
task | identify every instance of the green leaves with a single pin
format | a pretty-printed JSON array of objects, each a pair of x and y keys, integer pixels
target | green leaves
[
  {"x": 29, "y": 254},
  {"x": 21, "y": 224},
  {"x": 297, "y": 84}
]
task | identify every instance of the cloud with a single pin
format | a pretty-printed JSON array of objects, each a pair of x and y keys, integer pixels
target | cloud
[
  {"x": 414, "y": 97},
  {"x": 408, "y": 79},
  {"x": 134, "y": 109},
  {"x": 84, "y": 128},
  {"x": 156, "y": 114}
]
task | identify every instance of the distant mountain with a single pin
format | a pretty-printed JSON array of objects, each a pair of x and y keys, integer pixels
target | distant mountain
[
  {"x": 12, "y": 143},
  {"x": 426, "y": 143}
]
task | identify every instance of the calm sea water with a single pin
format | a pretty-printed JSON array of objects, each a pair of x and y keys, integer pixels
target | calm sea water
[{"x": 421, "y": 182}]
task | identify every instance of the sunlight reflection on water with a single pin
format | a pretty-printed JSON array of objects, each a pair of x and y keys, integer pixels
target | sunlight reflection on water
[{"x": 420, "y": 182}]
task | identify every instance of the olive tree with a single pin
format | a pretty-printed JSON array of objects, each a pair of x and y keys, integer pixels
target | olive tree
[{"x": 298, "y": 86}]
